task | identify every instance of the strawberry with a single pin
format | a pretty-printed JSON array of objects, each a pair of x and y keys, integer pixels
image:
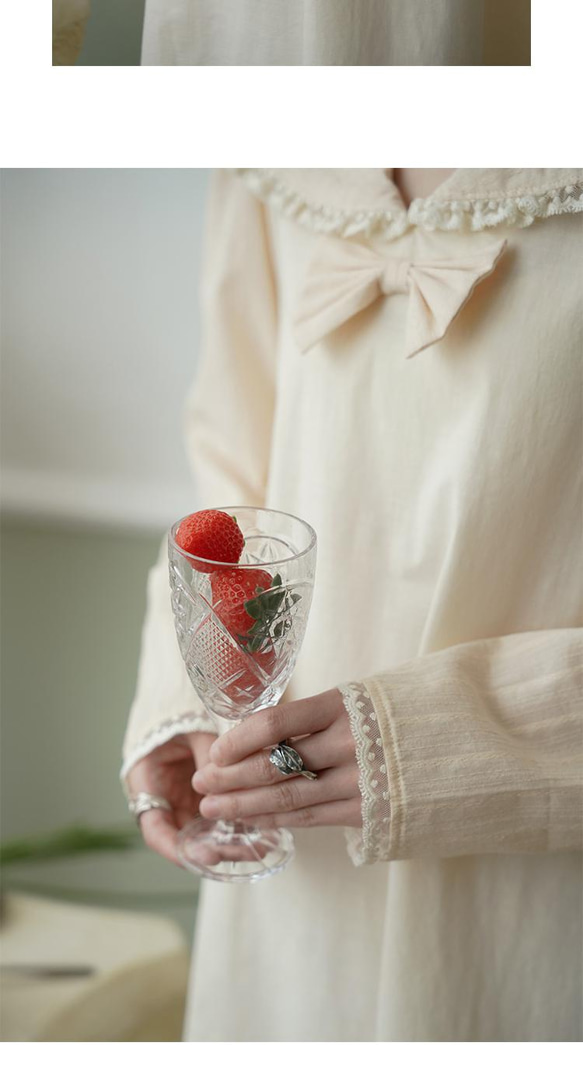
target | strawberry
[
  {"x": 245, "y": 680},
  {"x": 232, "y": 589},
  {"x": 213, "y": 535},
  {"x": 256, "y": 610}
]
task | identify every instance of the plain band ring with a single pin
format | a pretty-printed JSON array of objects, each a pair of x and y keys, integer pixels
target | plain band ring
[
  {"x": 288, "y": 761},
  {"x": 143, "y": 802}
]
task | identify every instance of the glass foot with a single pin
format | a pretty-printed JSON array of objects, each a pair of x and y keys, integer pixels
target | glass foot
[{"x": 233, "y": 851}]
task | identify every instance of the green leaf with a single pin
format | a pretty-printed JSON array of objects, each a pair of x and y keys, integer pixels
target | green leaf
[
  {"x": 278, "y": 630},
  {"x": 254, "y": 609},
  {"x": 295, "y": 597},
  {"x": 276, "y": 581},
  {"x": 69, "y": 841},
  {"x": 273, "y": 601}
]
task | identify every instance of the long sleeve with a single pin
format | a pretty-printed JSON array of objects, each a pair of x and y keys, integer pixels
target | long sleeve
[
  {"x": 473, "y": 749},
  {"x": 227, "y": 426}
]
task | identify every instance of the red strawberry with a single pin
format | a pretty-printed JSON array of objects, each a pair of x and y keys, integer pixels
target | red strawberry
[
  {"x": 246, "y": 681},
  {"x": 237, "y": 664},
  {"x": 232, "y": 588},
  {"x": 213, "y": 535}
]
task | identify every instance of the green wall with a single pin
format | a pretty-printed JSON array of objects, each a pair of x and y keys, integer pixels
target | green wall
[
  {"x": 72, "y": 609},
  {"x": 114, "y": 34}
]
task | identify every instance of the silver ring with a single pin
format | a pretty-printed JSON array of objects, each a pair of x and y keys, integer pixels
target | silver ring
[
  {"x": 143, "y": 802},
  {"x": 288, "y": 761}
]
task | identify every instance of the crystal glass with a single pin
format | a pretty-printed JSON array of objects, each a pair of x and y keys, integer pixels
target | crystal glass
[{"x": 236, "y": 675}]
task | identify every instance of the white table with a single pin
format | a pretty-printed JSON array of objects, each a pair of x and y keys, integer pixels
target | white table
[{"x": 135, "y": 994}]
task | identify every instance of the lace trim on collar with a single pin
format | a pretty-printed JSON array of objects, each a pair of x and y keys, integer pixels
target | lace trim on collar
[
  {"x": 431, "y": 214},
  {"x": 485, "y": 214},
  {"x": 320, "y": 218}
]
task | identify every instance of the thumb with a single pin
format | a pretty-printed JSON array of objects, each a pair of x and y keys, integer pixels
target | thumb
[
  {"x": 200, "y": 744},
  {"x": 160, "y": 832}
]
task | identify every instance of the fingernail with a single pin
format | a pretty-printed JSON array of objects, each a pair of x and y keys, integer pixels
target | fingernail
[
  {"x": 214, "y": 749},
  {"x": 210, "y": 806},
  {"x": 197, "y": 780}
]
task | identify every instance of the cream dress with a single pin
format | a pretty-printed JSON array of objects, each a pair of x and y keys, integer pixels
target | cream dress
[
  {"x": 408, "y": 381},
  {"x": 312, "y": 32}
]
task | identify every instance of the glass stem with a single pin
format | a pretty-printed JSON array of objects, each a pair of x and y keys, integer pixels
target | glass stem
[{"x": 237, "y": 826}]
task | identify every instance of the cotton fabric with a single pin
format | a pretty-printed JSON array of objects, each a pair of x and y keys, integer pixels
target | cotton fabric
[
  {"x": 446, "y": 493},
  {"x": 347, "y": 278},
  {"x": 313, "y": 32}
]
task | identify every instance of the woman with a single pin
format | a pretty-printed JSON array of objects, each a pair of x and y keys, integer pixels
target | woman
[
  {"x": 332, "y": 32},
  {"x": 395, "y": 357}
]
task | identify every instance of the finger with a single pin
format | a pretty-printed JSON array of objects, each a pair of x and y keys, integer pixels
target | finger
[
  {"x": 160, "y": 833},
  {"x": 254, "y": 771},
  {"x": 272, "y": 725},
  {"x": 339, "y": 783},
  {"x": 206, "y": 850},
  {"x": 320, "y": 751},
  {"x": 200, "y": 745},
  {"x": 336, "y": 813},
  {"x": 258, "y": 770},
  {"x": 206, "y": 854}
]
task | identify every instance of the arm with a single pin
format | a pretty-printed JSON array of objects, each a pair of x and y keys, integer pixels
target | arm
[
  {"x": 473, "y": 749},
  {"x": 482, "y": 745},
  {"x": 228, "y": 419}
]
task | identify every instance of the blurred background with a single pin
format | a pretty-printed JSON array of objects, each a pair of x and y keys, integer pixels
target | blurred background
[
  {"x": 99, "y": 344},
  {"x": 114, "y": 32}
]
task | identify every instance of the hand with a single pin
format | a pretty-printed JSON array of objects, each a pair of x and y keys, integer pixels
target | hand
[
  {"x": 245, "y": 785},
  {"x": 167, "y": 772}
]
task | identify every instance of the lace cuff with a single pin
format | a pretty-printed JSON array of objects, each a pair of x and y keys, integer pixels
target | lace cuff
[
  {"x": 188, "y": 723},
  {"x": 372, "y": 842}
]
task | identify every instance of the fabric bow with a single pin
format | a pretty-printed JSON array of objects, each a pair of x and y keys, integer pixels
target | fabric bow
[{"x": 345, "y": 278}]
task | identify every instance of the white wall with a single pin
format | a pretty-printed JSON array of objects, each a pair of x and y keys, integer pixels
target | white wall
[
  {"x": 100, "y": 274},
  {"x": 100, "y": 333}
]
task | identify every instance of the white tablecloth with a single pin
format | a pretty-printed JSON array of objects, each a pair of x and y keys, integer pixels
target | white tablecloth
[{"x": 136, "y": 993}]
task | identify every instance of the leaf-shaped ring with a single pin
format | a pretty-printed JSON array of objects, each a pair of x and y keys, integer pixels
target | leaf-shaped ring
[{"x": 288, "y": 761}]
